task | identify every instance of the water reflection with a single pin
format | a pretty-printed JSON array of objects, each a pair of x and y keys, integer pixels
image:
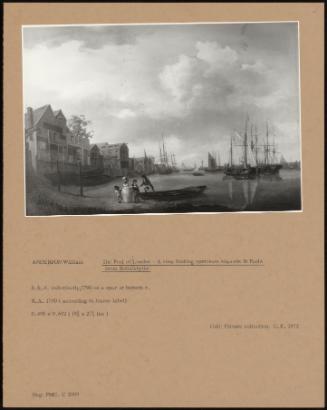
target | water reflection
[
  {"x": 248, "y": 187},
  {"x": 271, "y": 178},
  {"x": 249, "y": 190},
  {"x": 265, "y": 193}
]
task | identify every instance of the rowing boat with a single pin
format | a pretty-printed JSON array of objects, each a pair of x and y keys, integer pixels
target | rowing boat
[{"x": 173, "y": 194}]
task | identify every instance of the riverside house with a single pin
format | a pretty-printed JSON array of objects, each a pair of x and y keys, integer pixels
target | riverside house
[
  {"x": 48, "y": 140},
  {"x": 115, "y": 158}
]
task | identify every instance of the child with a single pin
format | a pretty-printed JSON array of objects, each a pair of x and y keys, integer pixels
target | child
[{"x": 118, "y": 193}]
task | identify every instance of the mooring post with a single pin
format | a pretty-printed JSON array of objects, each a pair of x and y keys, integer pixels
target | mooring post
[
  {"x": 80, "y": 179},
  {"x": 58, "y": 176}
]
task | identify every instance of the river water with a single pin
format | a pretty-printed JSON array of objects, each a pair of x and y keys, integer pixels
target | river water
[
  {"x": 222, "y": 193},
  {"x": 264, "y": 193}
]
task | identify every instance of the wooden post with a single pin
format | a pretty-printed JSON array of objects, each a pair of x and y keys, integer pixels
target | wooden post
[
  {"x": 80, "y": 179},
  {"x": 58, "y": 176}
]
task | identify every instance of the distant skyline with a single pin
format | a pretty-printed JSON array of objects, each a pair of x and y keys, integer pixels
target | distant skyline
[{"x": 194, "y": 84}]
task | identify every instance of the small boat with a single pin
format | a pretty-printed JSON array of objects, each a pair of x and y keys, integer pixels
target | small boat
[
  {"x": 164, "y": 170},
  {"x": 188, "y": 169},
  {"x": 198, "y": 173},
  {"x": 174, "y": 194}
]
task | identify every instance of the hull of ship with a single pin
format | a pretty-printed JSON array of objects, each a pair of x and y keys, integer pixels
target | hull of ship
[
  {"x": 272, "y": 169},
  {"x": 252, "y": 172},
  {"x": 218, "y": 169},
  {"x": 164, "y": 170},
  {"x": 241, "y": 173}
]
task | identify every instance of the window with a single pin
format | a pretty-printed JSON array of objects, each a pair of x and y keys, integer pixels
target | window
[{"x": 43, "y": 145}]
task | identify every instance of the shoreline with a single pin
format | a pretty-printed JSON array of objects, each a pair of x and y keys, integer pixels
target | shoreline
[{"x": 43, "y": 199}]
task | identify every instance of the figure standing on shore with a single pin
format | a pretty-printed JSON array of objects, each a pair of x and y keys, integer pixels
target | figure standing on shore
[
  {"x": 136, "y": 190},
  {"x": 146, "y": 182},
  {"x": 125, "y": 182}
]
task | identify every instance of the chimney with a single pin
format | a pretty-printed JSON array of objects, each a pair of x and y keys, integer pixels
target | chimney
[{"x": 29, "y": 118}]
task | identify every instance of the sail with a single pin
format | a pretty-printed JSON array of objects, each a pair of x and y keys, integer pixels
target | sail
[
  {"x": 282, "y": 160},
  {"x": 212, "y": 164},
  {"x": 251, "y": 157}
]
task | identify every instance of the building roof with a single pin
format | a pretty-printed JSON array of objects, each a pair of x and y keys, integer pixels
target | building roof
[
  {"x": 106, "y": 144},
  {"x": 110, "y": 150},
  {"x": 94, "y": 146},
  {"x": 56, "y": 113},
  {"x": 39, "y": 112},
  {"x": 37, "y": 115}
]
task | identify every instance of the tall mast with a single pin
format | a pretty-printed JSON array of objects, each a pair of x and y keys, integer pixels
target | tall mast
[
  {"x": 246, "y": 142},
  {"x": 267, "y": 144},
  {"x": 165, "y": 156},
  {"x": 256, "y": 145},
  {"x": 252, "y": 145},
  {"x": 231, "y": 151},
  {"x": 274, "y": 149}
]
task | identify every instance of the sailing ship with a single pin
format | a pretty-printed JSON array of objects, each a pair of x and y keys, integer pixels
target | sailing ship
[
  {"x": 250, "y": 164},
  {"x": 213, "y": 164},
  {"x": 174, "y": 163},
  {"x": 202, "y": 168},
  {"x": 289, "y": 165},
  {"x": 164, "y": 166}
]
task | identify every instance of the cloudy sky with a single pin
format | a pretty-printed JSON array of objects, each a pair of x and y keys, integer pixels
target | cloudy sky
[{"x": 194, "y": 84}]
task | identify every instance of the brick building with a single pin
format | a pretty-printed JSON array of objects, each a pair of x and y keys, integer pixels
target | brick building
[
  {"x": 143, "y": 165},
  {"x": 96, "y": 158},
  {"x": 115, "y": 158}
]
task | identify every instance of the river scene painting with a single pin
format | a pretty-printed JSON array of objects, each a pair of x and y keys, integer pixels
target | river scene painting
[{"x": 161, "y": 118}]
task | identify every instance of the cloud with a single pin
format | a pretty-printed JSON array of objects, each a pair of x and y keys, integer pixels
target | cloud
[
  {"x": 216, "y": 56},
  {"x": 90, "y": 37},
  {"x": 257, "y": 67},
  {"x": 195, "y": 88},
  {"x": 126, "y": 113},
  {"x": 177, "y": 77}
]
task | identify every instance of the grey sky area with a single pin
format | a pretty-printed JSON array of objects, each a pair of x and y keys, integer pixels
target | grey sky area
[{"x": 194, "y": 84}]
